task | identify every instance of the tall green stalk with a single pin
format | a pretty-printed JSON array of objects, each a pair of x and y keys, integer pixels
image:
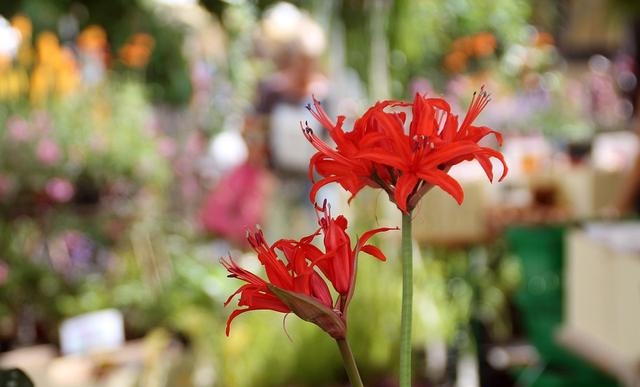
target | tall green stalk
[
  {"x": 349, "y": 363},
  {"x": 407, "y": 302}
]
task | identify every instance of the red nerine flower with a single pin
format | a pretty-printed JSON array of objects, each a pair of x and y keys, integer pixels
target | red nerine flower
[
  {"x": 295, "y": 284},
  {"x": 406, "y": 162},
  {"x": 338, "y": 264}
]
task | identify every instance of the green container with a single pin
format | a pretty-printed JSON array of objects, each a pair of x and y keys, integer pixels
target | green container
[
  {"x": 540, "y": 250},
  {"x": 547, "y": 375}
]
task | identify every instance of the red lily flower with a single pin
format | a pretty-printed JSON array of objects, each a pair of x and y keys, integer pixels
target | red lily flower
[
  {"x": 296, "y": 285},
  {"x": 380, "y": 153},
  {"x": 339, "y": 262},
  {"x": 340, "y": 164}
]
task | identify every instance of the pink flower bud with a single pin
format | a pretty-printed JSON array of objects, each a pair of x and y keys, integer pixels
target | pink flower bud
[
  {"x": 48, "y": 152},
  {"x": 7, "y": 185},
  {"x": 4, "y": 272},
  {"x": 19, "y": 129},
  {"x": 60, "y": 190}
]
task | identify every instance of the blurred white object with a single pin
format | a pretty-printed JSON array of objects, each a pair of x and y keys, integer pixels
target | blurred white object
[
  {"x": 527, "y": 155},
  {"x": 228, "y": 150},
  {"x": 290, "y": 149},
  {"x": 283, "y": 23},
  {"x": 588, "y": 190},
  {"x": 9, "y": 39},
  {"x": 90, "y": 332},
  {"x": 620, "y": 237},
  {"x": 602, "y": 312},
  {"x": 614, "y": 151}
]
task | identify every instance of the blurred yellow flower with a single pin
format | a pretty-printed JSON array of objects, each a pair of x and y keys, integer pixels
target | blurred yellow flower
[
  {"x": 68, "y": 76},
  {"x": 22, "y": 23},
  {"x": 41, "y": 84},
  {"x": 25, "y": 52},
  {"x": 43, "y": 68},
  {"x": 48, "y": 48},
  {"x": 5, "y": 63}
]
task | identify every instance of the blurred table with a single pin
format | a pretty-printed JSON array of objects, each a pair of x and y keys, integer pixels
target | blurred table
[
  {"x": 561, "y": 195},
  {"x": 118, "y": 368},
  {"x": 602, "y": 313}
]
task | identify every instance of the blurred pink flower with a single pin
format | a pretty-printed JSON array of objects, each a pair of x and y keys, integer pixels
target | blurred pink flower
[
  {"x": 41, "y": 121},
  {"x": 48, "y": 152},
  {"x": 60, "y": 190},
  {"x": 4, "y": 272},
  {"x": 19, "y": 129},
  {"x": 7, "y": 185},
  {"x": 195, "y": 143},
  {"x": 167, "y": 147},
  {"x": 151, "y": 126}
]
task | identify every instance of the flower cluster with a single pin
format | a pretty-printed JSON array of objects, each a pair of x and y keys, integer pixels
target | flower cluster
[
  {"x": 50, "y": 69},
  {"x": 386, "y": 150},
  {"x": 467, "y": 49},
  {"x": 381, "y": 152},
  {"x": 297, "y": 284}
]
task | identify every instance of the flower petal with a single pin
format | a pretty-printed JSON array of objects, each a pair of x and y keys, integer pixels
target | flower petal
[{"x": 444, "y": 181}]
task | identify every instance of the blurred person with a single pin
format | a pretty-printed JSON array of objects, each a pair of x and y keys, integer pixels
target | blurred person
[
  {"x": 237, "y": 202},
  {"x": 297, "y": 43}
]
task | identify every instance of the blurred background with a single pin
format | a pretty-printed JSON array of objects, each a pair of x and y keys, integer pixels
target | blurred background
[{"x": 139, "y": 139}]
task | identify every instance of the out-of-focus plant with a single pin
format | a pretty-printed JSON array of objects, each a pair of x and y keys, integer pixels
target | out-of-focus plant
[
  {"x": 434, "y": 38},
  {"x": 535, "y": 94},
  {"x": 63, "y": 141},
  {"x": 467, "y": 51},
  {"x": 474, "y": 283},
  {"x": 79, "y": 164},
  {"x": 166, "y": 72}
]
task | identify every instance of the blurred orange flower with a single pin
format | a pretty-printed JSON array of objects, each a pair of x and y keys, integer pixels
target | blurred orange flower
[
  {"x": 484, "y": 44},
  {"x": 137, "y": 51},
  {"x": 466, "y": 48},
  {"x": 544, "y": 39},
  {"x": 455, "y": 62},
  {"x": 92, "y": 38}
]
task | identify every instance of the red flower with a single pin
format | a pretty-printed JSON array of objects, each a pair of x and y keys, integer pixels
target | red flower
[
  {"x": 295, "y": 285},
  {"x": 380, "y": 153},
  {"x": 341, "y": 164},
  {"x": 338, "y": 264}
]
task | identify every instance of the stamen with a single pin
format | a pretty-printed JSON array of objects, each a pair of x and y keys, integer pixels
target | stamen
[{"x": 306, "y": 129}]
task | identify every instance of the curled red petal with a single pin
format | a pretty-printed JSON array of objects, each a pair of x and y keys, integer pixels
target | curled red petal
[
  {"x": 446, "y": 182},
  {"x": 374, "y": 251}
]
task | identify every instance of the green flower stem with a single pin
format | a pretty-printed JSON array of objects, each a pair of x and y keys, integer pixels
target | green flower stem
[
  {"x": 349, "y": 363},
  {"x": 407, "y": 302}
]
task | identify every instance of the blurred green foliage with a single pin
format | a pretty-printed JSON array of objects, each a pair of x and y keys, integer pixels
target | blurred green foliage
[{"x": 627, "y": 7}]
